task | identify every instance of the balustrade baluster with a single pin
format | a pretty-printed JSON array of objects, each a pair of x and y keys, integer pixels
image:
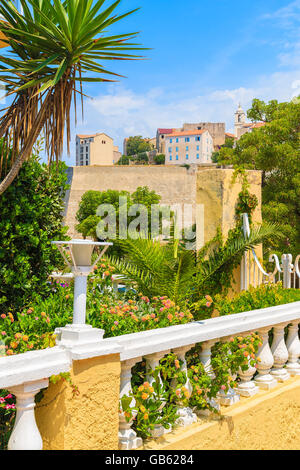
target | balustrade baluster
[
  {"x": 186, "y": 415},
  {"x": 152, "y": 361},
  {"x": 230, "y": 397},
  {"x": 246, "y": 386},
  {"x": 280, "y": 353},
  {"x": 127, "y": 437},
  {"x": 293, "y": 347},
  {"x": 205, "y": 359},
  {"x": 265, "y": 362},
  {"x": 25, "y": 434}
]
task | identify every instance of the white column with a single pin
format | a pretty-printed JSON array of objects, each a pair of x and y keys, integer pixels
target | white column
[
  {"x": 25, "y": 434},
  {"x": 246, "y": 386},
  {"x": 128, "y": 439},
  {"x": 293, "y": 347},
  {"x": 205, "y": 359},
  {"x": 186, "y": 415},
  {"x": 265, "y": 362},
  {"x": 230, "y": 397},
  {"x": 280, "y": 353},
  {"x": 152, "y": 361},
  {"x": 80, "y": 290}
]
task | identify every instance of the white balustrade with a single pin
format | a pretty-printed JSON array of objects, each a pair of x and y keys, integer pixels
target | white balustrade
[
  {"x": 246, "y": 386},
  {"x": 280, "y": 354},
  {"x": 25, "y": 434},
  {"x": 293, "y": 347},
  {"x": 152, "y": 362},
  {"x": 128, "y": 439},
  {"x": 186, "y": 415},
  {"x": 25, "y": 374},
  {"x": 229, "y": 397},
  {"x": 205, "y": 359},
  {"x": 265, "y": 363}
]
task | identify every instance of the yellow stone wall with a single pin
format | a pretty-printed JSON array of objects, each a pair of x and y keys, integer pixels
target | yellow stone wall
[
  {"x": 267, "y": 421},
  {"x": 89, "y": 421}
]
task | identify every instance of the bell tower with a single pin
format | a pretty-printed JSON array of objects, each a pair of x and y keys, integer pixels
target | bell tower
[{"x": 240, "y": 119}]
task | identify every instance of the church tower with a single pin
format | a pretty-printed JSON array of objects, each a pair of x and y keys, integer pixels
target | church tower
[{"x": 240, "y": 120}]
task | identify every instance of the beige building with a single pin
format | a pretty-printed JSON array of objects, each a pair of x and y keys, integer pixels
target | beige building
[
  {"x": 188, "y": 147},
  {"x": 216, "y": 130},
  {"x": 96, "y": 149},
  {"x": 242, "y": 127}
]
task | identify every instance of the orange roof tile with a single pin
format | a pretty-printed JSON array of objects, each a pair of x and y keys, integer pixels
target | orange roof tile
[{"x": 184, "y": 133}]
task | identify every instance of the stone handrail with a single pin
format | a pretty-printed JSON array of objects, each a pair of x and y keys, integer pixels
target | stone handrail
[
  {"x": 24, "y": 375},
  {"x": 276, "y": 364}
]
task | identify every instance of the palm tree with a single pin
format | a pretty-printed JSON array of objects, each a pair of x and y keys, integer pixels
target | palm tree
[
  {"x": 183, "y": 275},
  {"x": 54, "y": 46}
]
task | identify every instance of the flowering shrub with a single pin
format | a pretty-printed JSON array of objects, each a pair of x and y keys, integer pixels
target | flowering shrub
[
  {"x": 157, "y": 394},
  {"x": 7, "y": 417},
  {"x": 266, "y": 295}
]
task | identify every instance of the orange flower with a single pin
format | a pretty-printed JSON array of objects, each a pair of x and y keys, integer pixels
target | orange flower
[
  {"x": 146, "y": 416},
  {"x": 25, "y": 338}
]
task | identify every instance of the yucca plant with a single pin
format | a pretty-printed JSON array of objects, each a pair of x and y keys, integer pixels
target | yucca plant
[
  {"x": 183, "y": 275},
  {"x": 54, "y": 47}
]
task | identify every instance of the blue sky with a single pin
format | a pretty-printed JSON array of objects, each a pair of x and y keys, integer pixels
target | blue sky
[{"x": 206, "y": 57}]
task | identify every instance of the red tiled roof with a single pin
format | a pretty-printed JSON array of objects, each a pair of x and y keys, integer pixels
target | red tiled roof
[
  {"x": 183, "y": 133},
  {"x": 229, "y": 135},
  {"x": 165, "y": 131}
]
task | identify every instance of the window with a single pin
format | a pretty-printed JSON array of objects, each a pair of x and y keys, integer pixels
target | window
[
  {"x": 177, "y": 140},
  {"x": 103, "y": 142},
  {"x": 187, "y": 157},
  {"x": 87, "y": 148},
  {"x": 176, "y": 149},
  {"x": 170, "y": 149},
  {"x": 186, "y": 148},
  {"x": 170, "y": 157},
  {"x": 187, "y": 139},
  {"x": 176, "y": 157},
  {"x": 197, "y": 139},
  {"x": 198, "y": 156},
  {"x": 198, "y": 148},
  {"x": 171, "y": 140}
]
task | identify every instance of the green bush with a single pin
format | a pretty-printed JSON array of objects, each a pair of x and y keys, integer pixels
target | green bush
[
  {"x": 160, "y": 159},
  {"x": 264, "y": 296},
  {"x": 31, "y": 217}
]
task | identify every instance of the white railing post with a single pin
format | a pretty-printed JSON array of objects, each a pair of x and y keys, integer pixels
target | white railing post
[
  {"x": 286, "y": 266},
  {"x": 280, "y": 353},
  {"x": 25, "y": 434},
  {"x": 152, "y": 361},
  {"x": 265, "y": 363},
  {"x": 230, "y": 397},
  {"x": 128, "y": 439},
  {"x": 186, "y": 415},
  {"x": 205, "y": 359},
  {"x": 293, "y": 347},
  {"x": 247, "y": 387}
]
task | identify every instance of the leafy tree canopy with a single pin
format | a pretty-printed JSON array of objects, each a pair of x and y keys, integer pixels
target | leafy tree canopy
[
  {"x": 137, "y": 144},
  {"x": 274, "y": 149}
]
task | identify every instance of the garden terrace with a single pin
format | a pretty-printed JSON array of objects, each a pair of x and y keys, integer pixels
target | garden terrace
[{"x": 111, "y": 363}]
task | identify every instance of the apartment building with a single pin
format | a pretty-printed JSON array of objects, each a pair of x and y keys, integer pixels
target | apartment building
[
  {"x": 188, "y": 147},
  {"x": 96, "y": 150}
]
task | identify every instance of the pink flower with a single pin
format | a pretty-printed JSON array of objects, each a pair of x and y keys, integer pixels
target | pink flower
[
  {"x": 8, "y": 396},
  {"x": 2, "y": 400},
  {"x": 223, "y": 387},
  {"x": 3, "y": 333},
  {"x": 116, "y": 323},
  {"x": 3, "y": 316},
  {"x": 208, "y": 304}
]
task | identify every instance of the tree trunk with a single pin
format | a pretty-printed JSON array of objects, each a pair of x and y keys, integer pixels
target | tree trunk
[{"x": 25, "y": 152}]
